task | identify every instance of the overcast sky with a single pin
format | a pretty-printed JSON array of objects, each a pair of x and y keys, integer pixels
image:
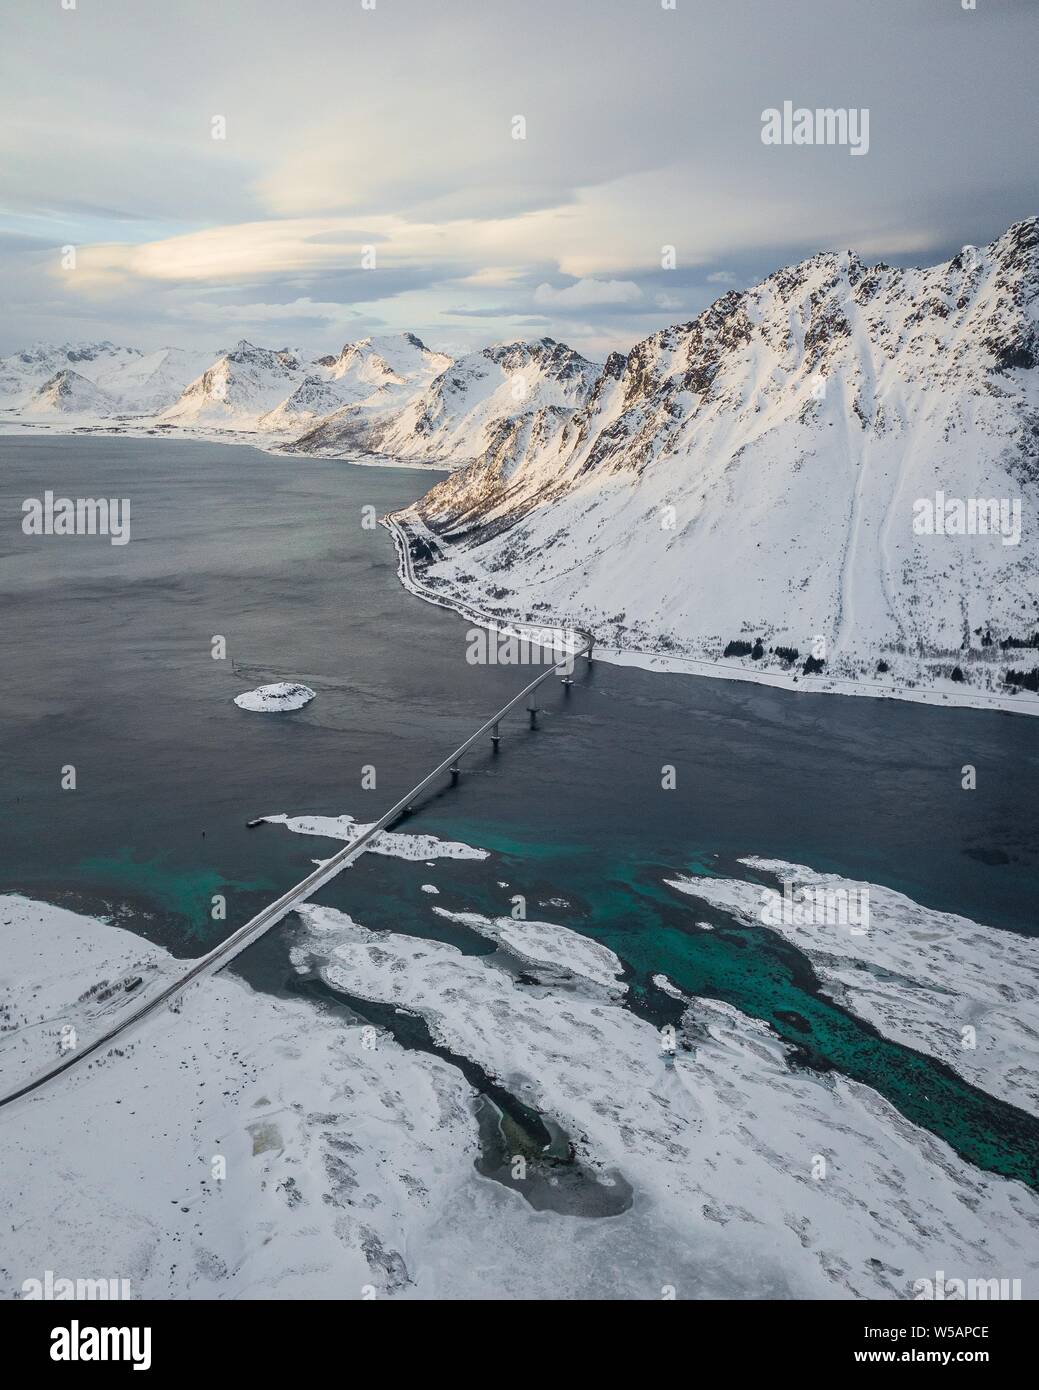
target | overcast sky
[{"x": 392, "y": 127}]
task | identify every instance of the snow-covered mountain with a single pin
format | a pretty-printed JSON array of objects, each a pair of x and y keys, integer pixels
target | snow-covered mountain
[
  {"x": 24, "y": 373},
  {"x": 460, "y": 412},
  {"x": 373, "y": 364},
  {"x": 128, "y": 380},
  {"x": 240, "y": 387},
  {"x": 148, "y": 382},
  {"x": 388, "y": 395},
  {"x": 377, "y": 373},
  {"x": 68, "y": 393},
  {"x": 764, "y": 476},
  {"x": 832, "y": 474},
  {"x": 247, "y": 389}
]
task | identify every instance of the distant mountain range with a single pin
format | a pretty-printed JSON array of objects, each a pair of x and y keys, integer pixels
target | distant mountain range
[
  {"x": 94, "y": 379},
  {"x": 390, "y": 395},
  {"x": 791, "y": 482},
  {"x": 454, "y": 416}
]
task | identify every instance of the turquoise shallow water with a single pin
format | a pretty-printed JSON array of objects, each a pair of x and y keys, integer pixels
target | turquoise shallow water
[{"x": 107, "y": 651}]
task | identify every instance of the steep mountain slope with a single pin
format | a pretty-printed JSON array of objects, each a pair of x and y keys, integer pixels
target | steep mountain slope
[
  {"x": 398, "y": 359},
  {"x": 149, "y": 382},
  {"x": 129, "y": 380},
  {"x": 314, "y": 398},
  {"x": 24, "y": 373},
  {"x": 68, "y": 393},
  {"x": 379, "y": 372},
  {"x": 758, "y": 474},
  {"x": 460, "y": 412},
  {"x": 241, "y": 386}
]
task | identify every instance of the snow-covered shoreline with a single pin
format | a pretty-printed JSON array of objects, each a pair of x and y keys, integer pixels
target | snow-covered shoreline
[
  {"x": 272, "y": 1148},
  {"x": 828, "y": 475},
  {"x": 515, "y": 625},
  {"x": 934, "y": 981},
  {"x": 418, "y": 847},
  {"x": 823, "y": 482},
  {"x": 950, "y": 698},
  {"x": 261, "y": 441},
  {"x": 1022, "y": 703}
]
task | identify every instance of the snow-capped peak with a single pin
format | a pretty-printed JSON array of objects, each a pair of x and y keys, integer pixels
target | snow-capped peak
[
  {"x": 69, "y": 393},
  {"x": 459, "y": 412},
  {"x": 756, "y": 473}
]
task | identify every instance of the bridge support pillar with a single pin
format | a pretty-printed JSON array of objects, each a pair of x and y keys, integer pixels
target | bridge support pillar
[
  {"x": 455, "y": 774},
  {"x": 533, "y": 716},
  {"x": 495, "y": 737}
]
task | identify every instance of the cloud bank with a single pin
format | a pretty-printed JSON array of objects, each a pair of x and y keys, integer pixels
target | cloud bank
[{"x": 253, "y": 169}]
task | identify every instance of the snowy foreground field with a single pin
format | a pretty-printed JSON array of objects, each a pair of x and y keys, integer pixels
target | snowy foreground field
[{"x": 251, "y": 1146}]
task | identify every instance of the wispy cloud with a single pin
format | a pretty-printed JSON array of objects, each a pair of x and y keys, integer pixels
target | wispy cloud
[
  {"x": 392, "y": 131},
  {"x": 582, "y": 294}
]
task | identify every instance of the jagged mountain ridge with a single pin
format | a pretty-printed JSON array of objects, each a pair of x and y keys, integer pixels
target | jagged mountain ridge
[
  {"x": 241, "y": 386},
  {"x": 377, "y": 372},
  {"x": 126, "y": 379},
  {"x": 68, "y": 393},
  {"x": 24, "y": 374},
  {"x": 459, "y": 413},
  {"x": 150, "y": 382},
  {"x": 753, "y": 474},
  {"x": 247, "y": 389},
  {"x": 387, "y": 395}
]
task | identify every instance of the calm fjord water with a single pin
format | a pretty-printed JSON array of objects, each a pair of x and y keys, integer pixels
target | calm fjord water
[{"x": 107, "y": 666}]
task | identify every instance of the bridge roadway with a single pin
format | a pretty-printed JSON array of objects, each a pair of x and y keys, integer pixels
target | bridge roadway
[{"x": 271, "y": 915}]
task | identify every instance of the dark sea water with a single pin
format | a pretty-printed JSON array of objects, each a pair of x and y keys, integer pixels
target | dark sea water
[{"x": 107, "y": 666}]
